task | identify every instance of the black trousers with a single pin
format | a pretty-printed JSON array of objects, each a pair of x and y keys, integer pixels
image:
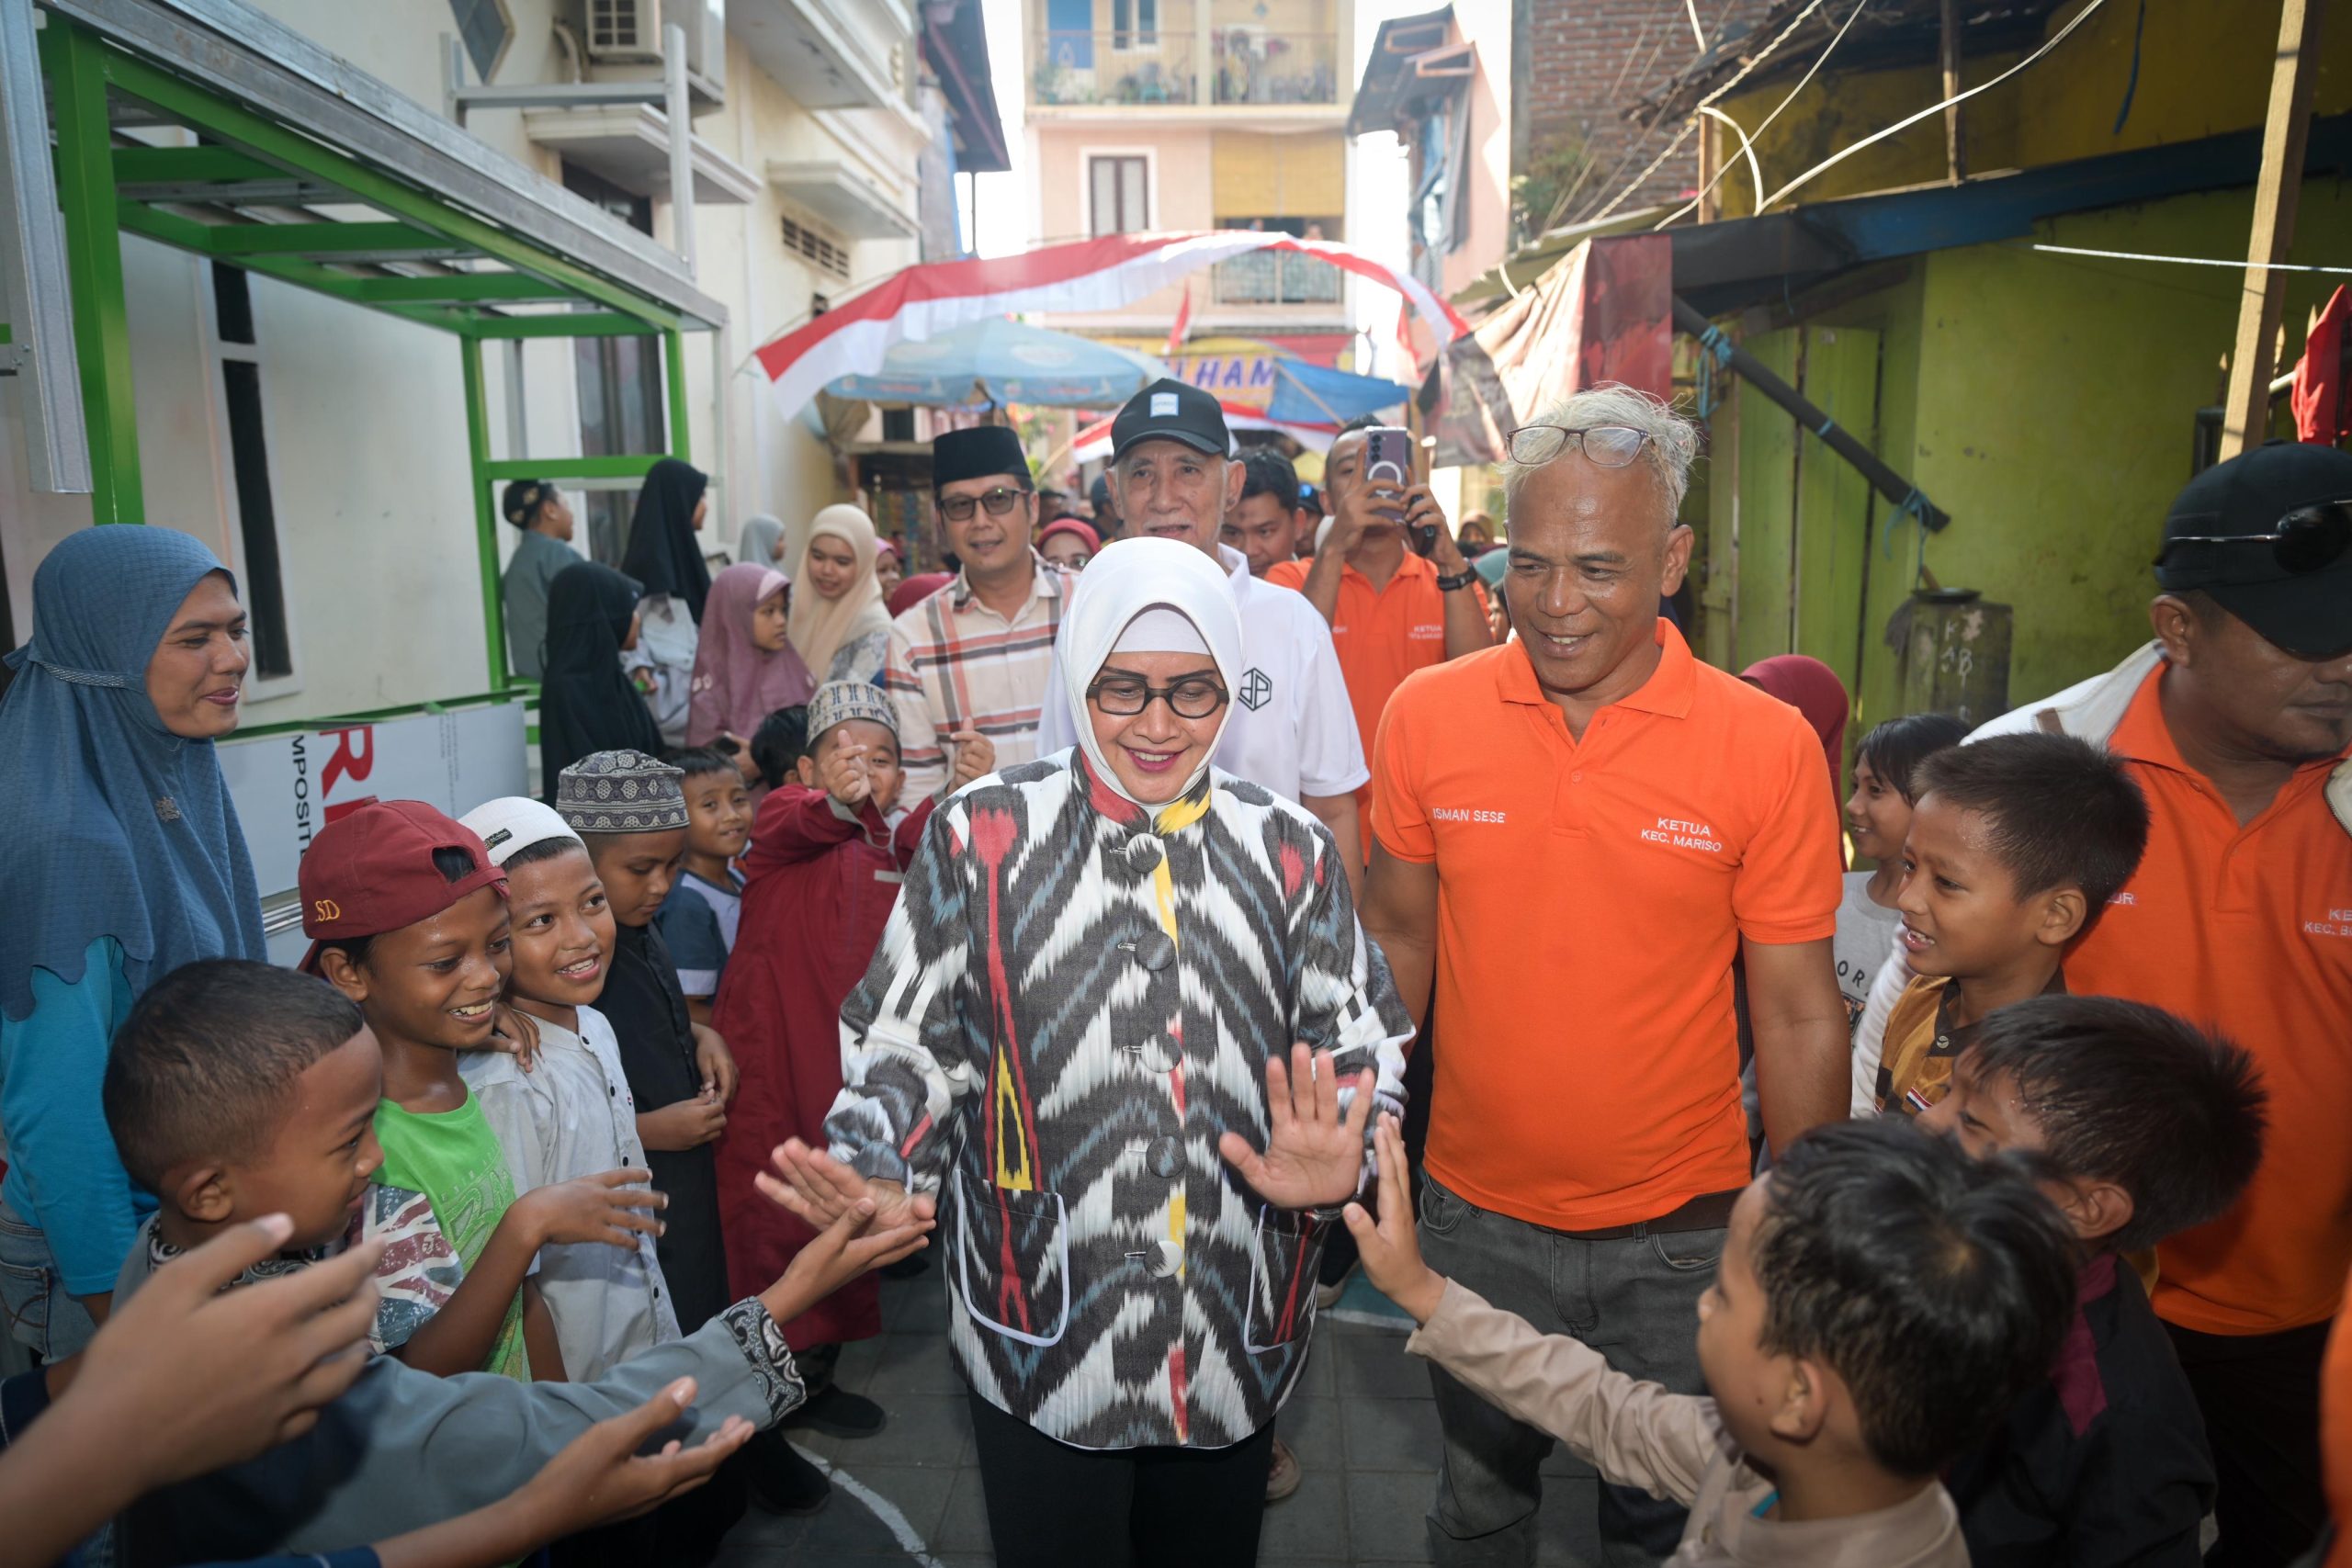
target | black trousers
[
  {"x": 2259, "y": 1394},
  {"x": 1051, "y": 1505}
]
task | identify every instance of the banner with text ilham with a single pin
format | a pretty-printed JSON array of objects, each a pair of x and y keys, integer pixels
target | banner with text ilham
[{"x": 288, "y": 788}]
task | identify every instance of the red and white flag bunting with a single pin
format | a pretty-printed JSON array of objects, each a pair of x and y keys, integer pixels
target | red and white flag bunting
[{"x": 1101, "y": 274}]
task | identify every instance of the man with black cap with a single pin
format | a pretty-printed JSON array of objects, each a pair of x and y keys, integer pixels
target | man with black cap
[
  {"x": 1293, "y": 731},
  {"x": 2235, "y": 723},
  {"x": 971, "y": 660}
]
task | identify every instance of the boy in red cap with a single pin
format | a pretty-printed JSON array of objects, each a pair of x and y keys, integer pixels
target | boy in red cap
[{"x": 407, "y": 918}]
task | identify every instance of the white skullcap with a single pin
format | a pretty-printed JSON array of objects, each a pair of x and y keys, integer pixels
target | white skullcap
[{"x": 513, "y": 823}]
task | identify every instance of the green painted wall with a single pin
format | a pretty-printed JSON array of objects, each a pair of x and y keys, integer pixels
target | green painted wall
[{"x": 2047, "y": 403}]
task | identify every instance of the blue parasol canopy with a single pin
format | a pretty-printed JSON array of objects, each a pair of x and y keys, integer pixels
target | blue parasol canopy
[{"x": 1000, "y": 361}]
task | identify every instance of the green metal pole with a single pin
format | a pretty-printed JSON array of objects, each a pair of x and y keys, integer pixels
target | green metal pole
[
  {"x": 493, "y": 608},
  {"x": 673, "y": 344},
  {"x": 86, "y": 198}
]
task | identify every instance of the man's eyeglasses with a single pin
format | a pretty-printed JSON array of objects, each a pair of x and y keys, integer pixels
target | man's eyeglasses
[
  {"x": 2307, "y": 539},
  {"x": 1604, "y": 446},
  {"x": 1124, "y": 696},
  {"x": 1000, "y": 500}
]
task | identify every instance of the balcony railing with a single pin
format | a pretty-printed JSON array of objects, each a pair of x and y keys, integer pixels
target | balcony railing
[
  {"x": 1115, "y": 68},
  {"x": 1254, "y": 67},
  {"x": 1275, "y": 277}
]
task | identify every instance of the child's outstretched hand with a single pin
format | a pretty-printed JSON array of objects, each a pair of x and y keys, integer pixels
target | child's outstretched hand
[
  {"x": 842, "y": 773},
  {"x": 611, "y": 1207},
  {"x": 600, "y": 1476},
  {"x": 849, "y": 1246},
  {"x": 1392, "y": 1253}
]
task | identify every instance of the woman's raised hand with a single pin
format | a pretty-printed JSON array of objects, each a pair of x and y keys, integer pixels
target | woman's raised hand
[{"x": 1314, "y": 1155}]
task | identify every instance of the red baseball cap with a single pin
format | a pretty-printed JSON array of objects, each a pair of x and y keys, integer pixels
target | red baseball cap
[{"x": 372, "y": 872}]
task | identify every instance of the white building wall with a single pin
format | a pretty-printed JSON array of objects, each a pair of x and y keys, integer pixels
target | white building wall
[{"x": 364, "y": 413}]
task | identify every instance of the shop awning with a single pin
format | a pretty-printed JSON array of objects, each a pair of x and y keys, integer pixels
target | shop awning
[{"x": 319, "y": 174}]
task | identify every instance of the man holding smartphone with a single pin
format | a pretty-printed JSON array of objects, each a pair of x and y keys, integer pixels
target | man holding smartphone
[{"x": 1393, "y": 608}]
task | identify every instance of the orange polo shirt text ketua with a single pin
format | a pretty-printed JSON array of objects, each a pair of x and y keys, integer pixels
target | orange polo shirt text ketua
[
  {"x": 1381, "y": 637},
  {"x": 1592, "y": 895},
  {"x": 2247, "y": 931}
]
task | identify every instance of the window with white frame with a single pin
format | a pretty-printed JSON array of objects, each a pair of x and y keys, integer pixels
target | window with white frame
[
  {"x": 1118, "y": 190},
  {"x": 1135, "y": 24}
]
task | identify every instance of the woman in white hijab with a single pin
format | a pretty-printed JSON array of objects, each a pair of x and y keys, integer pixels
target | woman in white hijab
[
  {"x": 1114, "y": 976},
  {"x": 839, "y": 622}
]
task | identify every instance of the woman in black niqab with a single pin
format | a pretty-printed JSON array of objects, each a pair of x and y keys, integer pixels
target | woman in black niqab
[
  {"x": 663, "y": 554},
  {"x": 586, "y": 702}
]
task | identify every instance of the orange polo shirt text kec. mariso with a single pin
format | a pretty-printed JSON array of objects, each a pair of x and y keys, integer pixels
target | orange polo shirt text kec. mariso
[
  {"x": 1592, "y": 895},
  {"x": 2247, "y": 931}
]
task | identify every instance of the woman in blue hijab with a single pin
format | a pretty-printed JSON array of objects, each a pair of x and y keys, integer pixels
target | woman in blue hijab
[{"x": 134, "y": 865}]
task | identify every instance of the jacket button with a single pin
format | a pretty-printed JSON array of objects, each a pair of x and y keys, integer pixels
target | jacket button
[
  {"x": 1165, "y": 1258},
  {"x": 1144, "y": 855},
  {"x": 1166, "y": 1157},
  {"x": 1154, "y": 949}
]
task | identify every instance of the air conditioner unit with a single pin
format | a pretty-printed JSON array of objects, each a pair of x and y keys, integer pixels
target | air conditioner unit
[
  {"x": 622, "y": 37},
  {"x": 622, "y": 32}
]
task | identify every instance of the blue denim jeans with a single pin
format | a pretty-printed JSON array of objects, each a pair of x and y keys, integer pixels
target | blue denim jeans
[
  {"x": 1634, "y": 1299},
  {"x": 41, "y": 1316}
]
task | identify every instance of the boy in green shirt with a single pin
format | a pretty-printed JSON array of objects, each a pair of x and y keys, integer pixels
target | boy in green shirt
[{"x": 408, "y": 919}]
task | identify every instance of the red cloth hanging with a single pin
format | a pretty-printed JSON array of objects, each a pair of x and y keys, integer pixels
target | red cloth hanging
[{"x": 2319, "y": 376}]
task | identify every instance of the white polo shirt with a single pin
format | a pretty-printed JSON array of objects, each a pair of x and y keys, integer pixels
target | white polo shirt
[{"x": 1292, "y": 729}]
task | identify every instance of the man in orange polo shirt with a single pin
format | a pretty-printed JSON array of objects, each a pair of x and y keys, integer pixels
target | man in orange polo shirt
[
  {"x": 1576, "y": 833},
  {"x": 1391, "y": 611},
  {"x": 2240, "y": 918}
]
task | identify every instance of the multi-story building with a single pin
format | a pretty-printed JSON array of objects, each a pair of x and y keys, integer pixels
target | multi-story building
[
  {"x": 1156, "y": 115},
  {"x": 323, "y": 448}
]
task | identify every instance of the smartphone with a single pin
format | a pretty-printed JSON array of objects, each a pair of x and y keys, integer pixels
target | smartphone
[{"x": 1388, "y": 460}]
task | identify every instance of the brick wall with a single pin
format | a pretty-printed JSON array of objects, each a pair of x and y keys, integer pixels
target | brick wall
[{"x": 1578, "y": 62}]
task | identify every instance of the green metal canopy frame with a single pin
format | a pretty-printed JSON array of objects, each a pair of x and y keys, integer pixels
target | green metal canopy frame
[{"x": 201, "y": 199}]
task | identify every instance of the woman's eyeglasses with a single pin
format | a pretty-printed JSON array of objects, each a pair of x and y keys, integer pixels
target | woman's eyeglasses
[
  {"x": 2307, "y": 539},
  {"x": 1604, "y": 446},
  {"x": 1124, "y": 696},
  {"x": 1000, "y": 500}
]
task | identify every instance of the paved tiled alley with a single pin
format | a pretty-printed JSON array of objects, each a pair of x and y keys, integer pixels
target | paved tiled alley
[{"x": 1363, "y": 1425}]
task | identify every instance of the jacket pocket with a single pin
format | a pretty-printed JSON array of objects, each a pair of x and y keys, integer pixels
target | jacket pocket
[
  {"x": 1285, "y": 1249},
  {"x": 1012, "y": 1259}
]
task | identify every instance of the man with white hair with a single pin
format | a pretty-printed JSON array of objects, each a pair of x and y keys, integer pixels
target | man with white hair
[{"x": 1575, "y": 834}]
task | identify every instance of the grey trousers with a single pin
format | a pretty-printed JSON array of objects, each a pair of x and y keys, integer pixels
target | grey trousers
[
  {"x": 1636, "y": 1300},
  {"x": 42, "y": 1316}
]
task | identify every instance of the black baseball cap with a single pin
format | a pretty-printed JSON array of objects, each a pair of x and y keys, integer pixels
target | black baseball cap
[
  {"x": 2267, "y": 536},
  {"x": 1167, "y": 410}
]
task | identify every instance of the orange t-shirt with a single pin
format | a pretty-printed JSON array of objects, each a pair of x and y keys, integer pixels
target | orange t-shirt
[
  {"x": 2247, "y": 930},
  {"x": 1381, "y": 637},
  {"x": 1592, "y": 895}
]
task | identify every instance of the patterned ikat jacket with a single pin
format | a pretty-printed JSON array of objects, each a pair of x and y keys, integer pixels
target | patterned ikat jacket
[{"x": 1074, "y": 998}]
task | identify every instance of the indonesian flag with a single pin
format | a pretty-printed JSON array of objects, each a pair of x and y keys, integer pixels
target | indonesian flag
[
  {"x": 1101, "y": 274},
  {"x": 1405, "y": 341},
  {"x": 1182, "y": 325}
]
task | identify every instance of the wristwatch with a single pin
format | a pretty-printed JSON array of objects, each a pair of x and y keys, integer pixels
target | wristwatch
[{"x": 1457, "y": 583}]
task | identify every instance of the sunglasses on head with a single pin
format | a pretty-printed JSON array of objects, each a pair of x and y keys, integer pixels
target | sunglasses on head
[
  {"x": 2307, "y": 539},
  {"x": 1000, "y": 500},
  {"x": 1605, "y": 446}
]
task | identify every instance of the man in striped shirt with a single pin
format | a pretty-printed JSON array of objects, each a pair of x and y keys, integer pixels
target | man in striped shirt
[{"x": 971, "y": 661}]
